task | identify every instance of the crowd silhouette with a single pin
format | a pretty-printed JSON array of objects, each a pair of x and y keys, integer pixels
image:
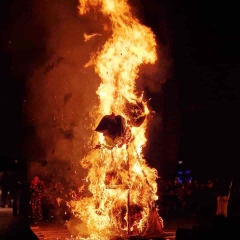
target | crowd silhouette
[
  {"x": 196, "y": 199},
  {"x": 45, "y": 200}
]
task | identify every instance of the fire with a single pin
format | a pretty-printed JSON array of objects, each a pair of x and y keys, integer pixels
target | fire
[{"x": 123, "y": 187}]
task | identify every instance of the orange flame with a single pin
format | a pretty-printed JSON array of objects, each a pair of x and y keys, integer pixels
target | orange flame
[{"x": 120, "y": 180}]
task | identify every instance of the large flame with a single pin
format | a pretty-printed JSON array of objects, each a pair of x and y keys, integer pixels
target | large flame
[{"x": 122, "y": 185}]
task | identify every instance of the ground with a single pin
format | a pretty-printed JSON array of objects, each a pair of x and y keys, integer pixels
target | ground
[{"x": 12, "y": 228}]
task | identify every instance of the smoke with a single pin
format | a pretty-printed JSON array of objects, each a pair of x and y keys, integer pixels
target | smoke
[
  {"x": 60, "y": 91},
  {"x": 153, "y": 14},
  {"x": 154, "y": 76},
  {"x": 151, "y": 78}
]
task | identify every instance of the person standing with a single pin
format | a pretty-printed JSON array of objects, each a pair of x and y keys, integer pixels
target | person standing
[
  {"x": 16, "y": 198},
  {"x": 0, "y": 196},
  {"x": 36, "y": 192},
  {"x": 208, "y": 203},
  {"x": 24, "y": 199},
  {"x": 223, "y": 195}
]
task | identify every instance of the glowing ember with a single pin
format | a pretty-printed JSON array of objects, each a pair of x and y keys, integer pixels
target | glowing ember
[{"x": 122, "y": 185}]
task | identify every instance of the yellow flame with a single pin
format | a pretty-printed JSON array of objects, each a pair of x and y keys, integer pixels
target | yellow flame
[
  {"x": 120, "y": 181},
  {"x": 89, "y": 37}
]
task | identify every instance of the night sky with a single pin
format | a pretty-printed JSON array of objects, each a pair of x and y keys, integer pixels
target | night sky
[
  {"x": 207, "y": 67},
  {"x": 199, "y": 101}
]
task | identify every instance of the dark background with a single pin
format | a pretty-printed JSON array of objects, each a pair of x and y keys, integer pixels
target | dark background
[{"x": 199, "y": 102}]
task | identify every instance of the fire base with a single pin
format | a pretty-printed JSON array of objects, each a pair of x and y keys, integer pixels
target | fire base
[{"x": 146, "y": 238}]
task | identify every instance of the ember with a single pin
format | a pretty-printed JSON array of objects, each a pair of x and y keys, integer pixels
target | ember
[{"x": 123, "y": 187}]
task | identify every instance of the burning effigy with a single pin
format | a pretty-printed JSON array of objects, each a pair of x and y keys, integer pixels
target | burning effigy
[
  {"x": 115, "y": 130},
  {"x": 122, "y": 187}
]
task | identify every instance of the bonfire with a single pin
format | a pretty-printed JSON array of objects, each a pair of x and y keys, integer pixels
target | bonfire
[{"x": 123, "y": 188}]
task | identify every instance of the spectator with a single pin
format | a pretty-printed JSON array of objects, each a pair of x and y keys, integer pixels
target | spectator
[
  {"x": 234, "y": 206},
  {"x": 180, "y": 195},
  {"x": 223, "y": 193},
  {"x": 16, "y": 198},
  {"x": 0, "y": 196},
  {"x": 208, "y": 203},
  {"x": 46, "y": 204},
  {"x": 36, "y": 191},
  {"x": 165, "y": 199},
  {"x": 24, "y": 199},
  {"x": 188, "y": 199},
  {"x": 195, "y": 199}
]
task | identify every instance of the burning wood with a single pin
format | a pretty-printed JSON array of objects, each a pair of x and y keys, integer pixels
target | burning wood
[
  {"x": 115, "y": 131},
  {"x": 135, "y": 112}
]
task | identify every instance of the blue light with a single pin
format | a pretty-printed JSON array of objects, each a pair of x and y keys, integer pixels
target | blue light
[{"x": 179, "y": 180}]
